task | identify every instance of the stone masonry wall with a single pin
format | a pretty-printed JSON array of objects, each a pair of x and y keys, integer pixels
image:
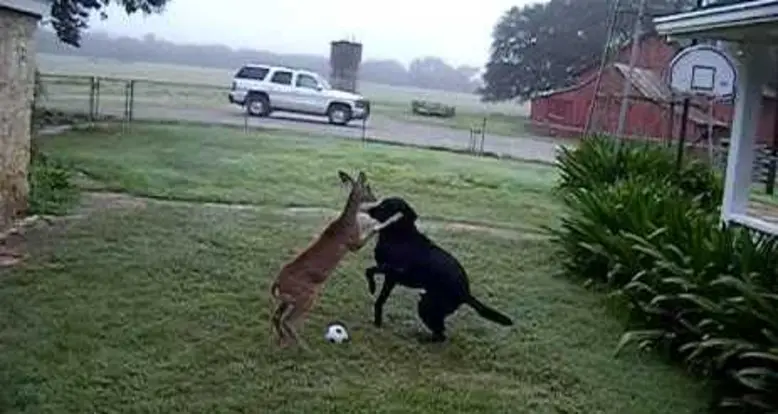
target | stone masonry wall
[{"x": 17, "y": 71}]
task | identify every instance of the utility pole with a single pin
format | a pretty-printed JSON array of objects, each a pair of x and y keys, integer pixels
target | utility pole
[
  {"x": 603, "y": 61},
  {"x": 633, "y": 57}
]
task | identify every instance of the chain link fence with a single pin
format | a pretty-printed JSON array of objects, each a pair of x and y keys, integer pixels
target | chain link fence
[{"x": 101, "y": 98}]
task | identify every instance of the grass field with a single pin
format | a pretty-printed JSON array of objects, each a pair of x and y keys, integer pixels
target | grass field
[
  {"x": 162, "y": 306},
  {"x": 392, "y": 101}
]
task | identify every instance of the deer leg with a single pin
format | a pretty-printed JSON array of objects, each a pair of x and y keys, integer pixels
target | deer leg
[
  {"x": 279, "y": 319},
  {"x": 361, "y": 240},
  {"x": 295, "y": 317},
  {"x": 358, "y": 244},
  {"x": 388, "y": 222}
]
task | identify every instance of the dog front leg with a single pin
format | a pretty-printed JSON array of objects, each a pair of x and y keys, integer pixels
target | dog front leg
[
  {"x": 378, "y": 307},
  {"x": 370, "y": 273}
]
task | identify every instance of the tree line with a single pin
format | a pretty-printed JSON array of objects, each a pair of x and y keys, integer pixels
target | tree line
[
  {"x": 426, "y": 72},
  {"x": 537, "y": 47}
]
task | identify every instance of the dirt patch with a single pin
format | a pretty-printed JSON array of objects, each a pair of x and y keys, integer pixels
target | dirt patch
[
  {"x": 430, "y": 224},
  {"x": 13, "y": 243},
  {"x": 93, "y": 202}
]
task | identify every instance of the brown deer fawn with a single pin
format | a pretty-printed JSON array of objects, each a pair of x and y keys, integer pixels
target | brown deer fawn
[{"x": 300, "y": 281}]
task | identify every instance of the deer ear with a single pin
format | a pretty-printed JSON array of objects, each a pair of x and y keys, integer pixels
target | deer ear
[
  {"x": 345, "y": 178},
  {"x": 361, "y": 178}
]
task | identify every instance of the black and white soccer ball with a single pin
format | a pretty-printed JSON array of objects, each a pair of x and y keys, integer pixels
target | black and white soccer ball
[{"x": 336, "y": 333}]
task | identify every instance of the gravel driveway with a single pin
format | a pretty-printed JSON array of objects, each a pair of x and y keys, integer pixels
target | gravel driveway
[{"x": 378, "y": 127}]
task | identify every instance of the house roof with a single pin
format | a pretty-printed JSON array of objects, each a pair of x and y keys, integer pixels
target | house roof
[
  {"x": 747, "y": 20},
  {"x": 36, "y": 8}
]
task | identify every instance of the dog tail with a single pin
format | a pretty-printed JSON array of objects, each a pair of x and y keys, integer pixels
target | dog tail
[{"x": 488, "y": 312}]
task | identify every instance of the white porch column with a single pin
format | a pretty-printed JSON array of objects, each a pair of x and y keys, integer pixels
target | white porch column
[{"x": 752, "y": 75}]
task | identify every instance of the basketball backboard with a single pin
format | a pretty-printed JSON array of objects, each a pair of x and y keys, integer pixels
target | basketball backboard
[{"x": 703, "y": 70}]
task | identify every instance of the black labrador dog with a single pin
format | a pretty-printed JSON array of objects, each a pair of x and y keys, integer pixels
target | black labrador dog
[{"x": 405, "y": 256}]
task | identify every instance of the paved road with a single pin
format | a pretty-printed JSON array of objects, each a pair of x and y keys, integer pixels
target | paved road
[{"x": 378, "y": 127}]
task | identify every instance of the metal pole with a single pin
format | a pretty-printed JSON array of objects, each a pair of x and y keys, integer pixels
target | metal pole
[
  {"x": 682, "y": 134},
  {"x": 132, "y": 100},
  {"x": 711, "y": 120},
  {"x": 684, "y": 116},
  {"x": 483, "y": 135},
  {"x": 633, "y": 57},
  {"x": 97, "y": 98},
  {"x": 671, "y": 122},
  {"x": 603, "y": 62},
  {"x": 771, "y": 171},
  {"x": 92, "y": 89}
]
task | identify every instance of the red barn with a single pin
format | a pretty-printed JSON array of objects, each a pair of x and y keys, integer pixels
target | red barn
[{"x": 564, "y": 111}]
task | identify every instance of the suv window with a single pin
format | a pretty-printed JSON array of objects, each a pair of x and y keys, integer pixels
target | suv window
[
  {"x": 306, "y": 81},
  {"x": 252, "y": 72},
  {"x": 282, "y": 77}
]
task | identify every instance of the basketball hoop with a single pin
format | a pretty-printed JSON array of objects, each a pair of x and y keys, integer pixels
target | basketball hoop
[
  {"x": 703, "y": 70},
  {"x": 707, "y": 72}
]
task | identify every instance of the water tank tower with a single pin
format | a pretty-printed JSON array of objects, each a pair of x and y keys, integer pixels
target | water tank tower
[{"x": 345, "y": 57}]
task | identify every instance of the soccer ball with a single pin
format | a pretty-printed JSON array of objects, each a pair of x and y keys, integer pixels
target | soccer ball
[{"x": 336, "y": 333}]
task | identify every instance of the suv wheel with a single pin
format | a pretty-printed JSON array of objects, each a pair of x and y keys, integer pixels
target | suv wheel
[
  {"x": 257, "y": 105},
  {"x": 339, "y": 114}
]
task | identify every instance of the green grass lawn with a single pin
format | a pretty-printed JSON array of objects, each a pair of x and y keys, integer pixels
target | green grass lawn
[{"x": 163, "y": 307}]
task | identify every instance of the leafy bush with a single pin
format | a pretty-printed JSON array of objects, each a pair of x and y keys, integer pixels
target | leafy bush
[
  {"x": 51, "y": 187},
  {"x": 602, "y": 161},
  {"x": 705, "y": 294}
]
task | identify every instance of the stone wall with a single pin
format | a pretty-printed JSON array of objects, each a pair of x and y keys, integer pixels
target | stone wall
[{"x": 17, "y": 71}]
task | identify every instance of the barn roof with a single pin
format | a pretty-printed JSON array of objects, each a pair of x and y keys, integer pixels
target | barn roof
[{"x": 651, "y": 86}]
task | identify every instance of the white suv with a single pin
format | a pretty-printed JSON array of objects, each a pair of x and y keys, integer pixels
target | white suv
[{"x": 262, "y": 89}]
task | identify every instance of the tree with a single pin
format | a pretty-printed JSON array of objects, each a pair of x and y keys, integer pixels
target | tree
[
  {"x": 433, "y": 73},
  {"x": 70, "y": 17},
  {"x": 545, "y": 46}
]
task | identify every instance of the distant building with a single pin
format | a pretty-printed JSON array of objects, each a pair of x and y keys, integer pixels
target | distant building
[{"x": 563, "y": 112}]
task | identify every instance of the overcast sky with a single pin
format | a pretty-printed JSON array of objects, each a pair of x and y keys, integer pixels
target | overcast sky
[{"x": 399, "y": 29}]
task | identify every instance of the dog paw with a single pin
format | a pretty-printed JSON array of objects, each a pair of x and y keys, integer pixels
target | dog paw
[{"x": 432, "y": 339}]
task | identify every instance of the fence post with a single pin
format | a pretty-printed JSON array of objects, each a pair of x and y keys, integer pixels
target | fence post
[
  {"x": 126, "y": 115},
  {"x": 97, "y": 97},
  {"x": 92, "y": 88},
  {"x": 132, "y": 101},
  {"x": 483, "y": 135}
]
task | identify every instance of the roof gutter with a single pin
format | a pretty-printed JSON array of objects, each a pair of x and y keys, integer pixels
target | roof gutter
[{"x": 724, "y": 17}]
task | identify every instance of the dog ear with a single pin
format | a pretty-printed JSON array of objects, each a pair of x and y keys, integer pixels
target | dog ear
[
  {"x": 345, "y": 178},
  {"x": 361, "y": 178}
]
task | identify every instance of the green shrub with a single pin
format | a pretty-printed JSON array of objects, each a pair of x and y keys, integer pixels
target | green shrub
[
  {"x": 703, "y": 294},
  {"x": 602, "y": 161},
  {"x": 51, "y": 187}
]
